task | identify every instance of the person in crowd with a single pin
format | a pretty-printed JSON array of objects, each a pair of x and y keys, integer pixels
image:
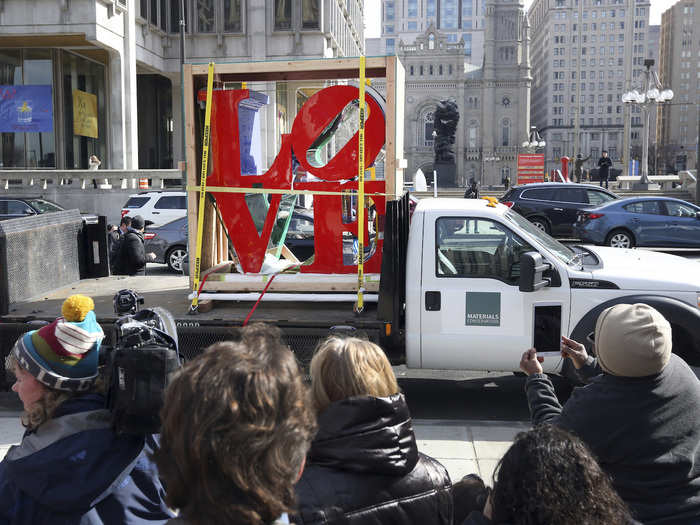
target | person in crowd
[
  {"x": 364, "y": 465},
  {"x": 117, "y": 237},
  {"x": 93, "y": 163},
  {"x": 578, "y": 166},
  {"x": 237, "y": 423},
  {"x": 549, "y": 477},
  {"x": 640, "y": 416},
  {"x": 132, "y": 257},
  {"x": 71, "y": 467},
  {"x": 469, "y": 494},
  {"x": 473, "y": 190},
  {"x": 604, "y": 165}
]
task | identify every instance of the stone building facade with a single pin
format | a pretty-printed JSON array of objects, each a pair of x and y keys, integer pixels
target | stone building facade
[
  {"x": 493, "y": 100},
  {"x": 126, "y": 53}
]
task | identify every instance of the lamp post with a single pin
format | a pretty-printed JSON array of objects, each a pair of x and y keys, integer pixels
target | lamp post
[{"x": 652, "y": 94}]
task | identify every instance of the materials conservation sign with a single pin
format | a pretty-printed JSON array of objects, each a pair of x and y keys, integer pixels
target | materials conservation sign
[
  {"x": 483, "y": 309},
  {"x": 26, "y": 109},
  {"x": 84, "y": 114}
]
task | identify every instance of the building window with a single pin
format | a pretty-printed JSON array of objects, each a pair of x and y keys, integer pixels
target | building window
[
  {"x": 412, "y": 8},
  {"x": 412, "y": 26},
  {"x": 411, "y": 70},
  {"x": 428, "y": 125},
  {"x": 467, "y": 37},
  {"x": 390, "y": 46},
  {"x": 309, "y": 14},
  {"x": 430, "y": 68},
  {"x": 431, "y": 41},
  {"x": 232, "y": 16},
  {"x": 440, "y": 70},
  {"x": 283, "y": 15},
  {"x": 505, "y": 127},
  {"x": 431, "y": 9},
  {"x": 175, "y": 16},
  {"x": 472, "y": 135},
  {"x": 205, "y": 16}
]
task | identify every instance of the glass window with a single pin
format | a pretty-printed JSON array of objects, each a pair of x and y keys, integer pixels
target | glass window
[
  {"x": 428, "y": 123},
  {"x": 41, "y": 147},
  {"x": 676, "y": 209},
  {"x": 232, "y": 16},
  {"x": 175, "y": 16},
  {"x": 164, "y": 15},
  {"x": 648, "y": 207},
  {"x": 309, "y": 14},
  {"x": 570, "y": 195},
  {"x": 153, "y": 15},
  {"x": 18, "y": 208},
  {"x": 412, "y": 26},
  {"x": 596, "y": 197},
  {"x": 448, "y": 14},
  {"x": 136, "y": 202},
  {"x": 412, "y": 8},
  {"x": 301, "y": 227},
  {"x": 205, "y": 16},
  {"x": 506, "y": 132},
  {"x": 431, "y": 9},
  {"x": 11, "y": 144},
  {"x": 541, "y": 194},
  {"x": 44, "y": 206},
  {"x": 80, "y": 74},
  {"x": 143, "y": 11},
  {"x": 480, "y": 248},
  {"x": 283, "y": 15},
  {"x": 169, "y": 203}
]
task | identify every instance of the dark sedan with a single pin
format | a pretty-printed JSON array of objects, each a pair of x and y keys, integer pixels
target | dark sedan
[
  {"x": 168, "y": 242},
  {"x": 553, "y": 206},
  {"x": 16, "y": 207},
  {"x": 641, "y": 221}
]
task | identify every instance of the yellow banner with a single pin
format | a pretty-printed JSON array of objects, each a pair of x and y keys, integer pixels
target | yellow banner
[{"x": 84, "y": 114}]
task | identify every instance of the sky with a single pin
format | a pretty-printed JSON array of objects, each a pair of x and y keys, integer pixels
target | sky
[{"x": 372, "y": 12}]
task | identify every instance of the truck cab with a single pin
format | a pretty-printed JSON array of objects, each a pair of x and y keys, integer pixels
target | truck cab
[{"x": 483, "y": 285}]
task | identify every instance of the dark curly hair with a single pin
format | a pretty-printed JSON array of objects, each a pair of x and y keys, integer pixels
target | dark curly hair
[
  {"x": 549, "y": 477},
  {"x": 236, "y": 425}
]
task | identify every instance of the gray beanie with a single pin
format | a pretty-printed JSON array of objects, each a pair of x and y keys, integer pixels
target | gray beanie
[{"x": 632, "y": 340}]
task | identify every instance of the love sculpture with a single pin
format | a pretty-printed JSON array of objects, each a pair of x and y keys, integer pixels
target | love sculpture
[{"x": 336, "y": 176}]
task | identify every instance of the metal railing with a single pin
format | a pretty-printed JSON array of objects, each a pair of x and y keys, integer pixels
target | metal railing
[{"x": 87, "y": 179}]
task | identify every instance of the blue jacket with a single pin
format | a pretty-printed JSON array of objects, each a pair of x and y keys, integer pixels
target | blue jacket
[{"x": 75, "y": 470}]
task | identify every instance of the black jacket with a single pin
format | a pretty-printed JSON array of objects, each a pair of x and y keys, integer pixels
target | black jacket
[
  {"x": 645, "y": 432},
  {"x": 364, "y": 467},
  {"x": 132, "y": 254},
  {"x": 604, "y": 164}
]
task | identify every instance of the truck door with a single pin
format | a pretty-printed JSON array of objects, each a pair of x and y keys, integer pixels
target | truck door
[{"x": 474, "y": 315}]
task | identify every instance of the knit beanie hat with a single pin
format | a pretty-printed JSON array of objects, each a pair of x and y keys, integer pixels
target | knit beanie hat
[
  {"x": 632, "y": 340},
  {"x": 137, "y": 222},
  {"x": 64, "y": 354}
]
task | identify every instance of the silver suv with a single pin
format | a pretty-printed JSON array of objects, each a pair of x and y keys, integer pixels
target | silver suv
[{"x": 157, "y": 207}]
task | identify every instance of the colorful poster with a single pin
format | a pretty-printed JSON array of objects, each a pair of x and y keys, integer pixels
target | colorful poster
[
  {"x": 26, "y": 109},
  {"x": 84, "y": 114},
  {"x": 530, "y": 168}
]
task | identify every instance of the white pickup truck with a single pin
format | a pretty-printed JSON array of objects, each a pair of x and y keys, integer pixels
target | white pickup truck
[{"x": 482, "y": 284}]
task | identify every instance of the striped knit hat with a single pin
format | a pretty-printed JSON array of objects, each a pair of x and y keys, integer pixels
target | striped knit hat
[{"x": 64, "y": 354}]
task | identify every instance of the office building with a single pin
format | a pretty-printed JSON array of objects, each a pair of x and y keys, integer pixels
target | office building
[
  {"x": 679, "y": 69},
  {"x": 118, "y": 62},
  {"x": 585, "y": 55}
]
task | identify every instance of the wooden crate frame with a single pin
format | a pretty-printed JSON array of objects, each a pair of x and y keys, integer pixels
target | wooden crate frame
[{"x": 214, "y": 242}]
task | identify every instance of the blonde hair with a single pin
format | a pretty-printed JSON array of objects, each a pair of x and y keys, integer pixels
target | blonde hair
[
  {"x": 347, "y": 367},
  {"x": 44, "y": 409}
]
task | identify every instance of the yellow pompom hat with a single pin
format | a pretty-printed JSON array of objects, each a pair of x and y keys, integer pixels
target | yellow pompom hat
[{"x": 64, "y": 354}]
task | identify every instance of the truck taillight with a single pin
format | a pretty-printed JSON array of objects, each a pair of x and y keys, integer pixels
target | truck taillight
[
  {"x": 148, "y": 236},
  {"x": 508, "y": 203},
  {"x": 124, "y": 212}
]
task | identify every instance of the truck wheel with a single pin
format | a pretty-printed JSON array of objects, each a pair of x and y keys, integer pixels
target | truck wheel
[
  {"x": 540, "y": 223},
  {"x": 620, "y": 239}
]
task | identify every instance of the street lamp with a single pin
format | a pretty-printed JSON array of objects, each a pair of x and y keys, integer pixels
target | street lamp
[{"x": 652, "y": 93}]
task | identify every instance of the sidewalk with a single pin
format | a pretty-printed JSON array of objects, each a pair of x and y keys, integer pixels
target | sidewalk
[{"x": 464, "y": 447}]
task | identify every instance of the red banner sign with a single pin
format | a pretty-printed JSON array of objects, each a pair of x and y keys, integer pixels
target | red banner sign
[{"x": 530, "y": 168}]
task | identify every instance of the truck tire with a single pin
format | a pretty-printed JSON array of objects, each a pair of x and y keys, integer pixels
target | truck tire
[
  {"x": 684, "y": 320},
  {"x": 620, "y": 238}
]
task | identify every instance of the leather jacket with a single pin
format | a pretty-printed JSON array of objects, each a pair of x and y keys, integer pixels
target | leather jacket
[{"x": 364, "y": 467}]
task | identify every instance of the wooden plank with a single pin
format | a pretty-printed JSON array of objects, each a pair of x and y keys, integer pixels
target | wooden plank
[
  {"x": 191, "y": 157},
  {"x": 329, "y": 66},
  {"x": 209, "y": 236},
  {"x": 290, "y": 283}
]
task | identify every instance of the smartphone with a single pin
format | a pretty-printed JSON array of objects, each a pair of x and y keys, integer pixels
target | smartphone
[{"x": 547, "y": 330}]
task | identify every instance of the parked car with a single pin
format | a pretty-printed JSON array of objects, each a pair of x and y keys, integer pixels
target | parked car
[
  {"x": 15, "y": 207},
  {"x": 157, "y": 207},
  {"x": 169, "y": 243},
  {"x": 553, "y": 206},
  {"x": 641, "y": 221}
]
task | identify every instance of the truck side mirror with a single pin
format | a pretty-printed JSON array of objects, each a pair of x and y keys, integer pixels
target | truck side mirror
[{"x": 531, "y": 269}]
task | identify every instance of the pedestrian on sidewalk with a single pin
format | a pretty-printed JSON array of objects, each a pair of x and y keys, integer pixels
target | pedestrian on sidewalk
[
  {"x": 473, "y": 190},
  {"x": 114, "y": 247},
  {"x": 132, "y": 256},
  {"x": 237, "y": 422},
  {"x": 364, "y": 465},
  {"x": 639, "y": 414},
  {"x": 604, "y": 165},
  {"x": 548, "y": 476},
  {"x": 71, "y": 467}
]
